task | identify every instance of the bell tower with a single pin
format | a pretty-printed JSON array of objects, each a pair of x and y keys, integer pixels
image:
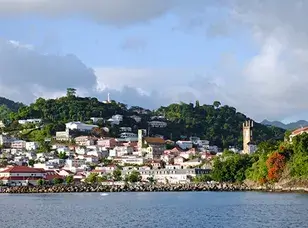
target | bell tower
[{"x": 247, "y": 135}]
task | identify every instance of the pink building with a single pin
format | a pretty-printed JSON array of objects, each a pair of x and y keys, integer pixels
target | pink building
[{"x": 107, "y": 142}]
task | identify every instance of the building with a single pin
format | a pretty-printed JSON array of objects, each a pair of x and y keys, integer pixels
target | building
[
  {"x": 120, "y": 151},
  {"x": 96, "y": 119},
  {"x": 4, "y": 140},
  {"x": 108, "y": 101},
  {"x": 32, "y": 145},
  {"x": 18, "y": 144},
  {"x": 184, "y": 145},
  {"x": 248, "y": 145},
  {"x": 2, "y": 125},
  {"x": 157, "y": 124},
  {"x": 297, "y": 132},
  {"x": 21, "y": 175},
  {"x": 125, "y": 129},
  {"x": 132, "y": 160},
  {"x": 150, "y": 147},
  {"x": 171, "y": 176},
  {"x": 128, "y": 135},
  {"x": 63, "y": 135},
  {"x": 79, "y": 126},
  {"x": 107, "y": 142},
  {"x": 85, "y": 140},
  {"x": 32, "y": 121}
]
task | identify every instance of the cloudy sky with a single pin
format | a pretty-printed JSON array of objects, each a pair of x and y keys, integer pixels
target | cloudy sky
[{"x": 252, "y": 54}]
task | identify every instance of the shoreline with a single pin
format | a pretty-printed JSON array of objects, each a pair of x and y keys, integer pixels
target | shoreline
[{"x": 82, "y": 188}]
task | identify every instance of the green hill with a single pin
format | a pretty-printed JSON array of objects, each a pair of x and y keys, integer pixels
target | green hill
[{"x": 222, "y": 125}]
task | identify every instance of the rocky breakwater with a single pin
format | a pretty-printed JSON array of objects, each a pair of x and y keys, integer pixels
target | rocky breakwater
[{"x": 123, "y": 188}]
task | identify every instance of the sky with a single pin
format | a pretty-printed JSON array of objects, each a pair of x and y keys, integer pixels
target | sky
[{"x": 251, "y": 55}]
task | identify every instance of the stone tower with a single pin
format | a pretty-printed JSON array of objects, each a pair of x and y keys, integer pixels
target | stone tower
[
  {"x": 247, "y": 135},
  {"x": 141, "y": 134}
]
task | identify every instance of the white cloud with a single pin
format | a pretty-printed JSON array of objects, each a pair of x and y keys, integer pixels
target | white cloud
[{"x": 271, "y": 85}]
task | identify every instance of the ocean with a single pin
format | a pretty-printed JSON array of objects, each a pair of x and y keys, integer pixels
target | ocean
[{"x": 159, "y": 209}]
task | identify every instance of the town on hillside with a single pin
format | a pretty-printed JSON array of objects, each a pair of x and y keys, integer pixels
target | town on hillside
[
  {"x": 118, "y": 159},
  {"x": 89, "y": 151}
]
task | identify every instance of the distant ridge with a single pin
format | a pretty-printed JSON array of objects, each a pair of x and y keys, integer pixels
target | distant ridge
[{"x": 289, "y": 126}]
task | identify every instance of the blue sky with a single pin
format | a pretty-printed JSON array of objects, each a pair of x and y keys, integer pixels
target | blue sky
[{"x": 168, "y": 51}]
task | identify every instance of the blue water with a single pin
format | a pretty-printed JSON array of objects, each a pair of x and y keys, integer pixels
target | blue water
[{"x": 163, "y": 210}]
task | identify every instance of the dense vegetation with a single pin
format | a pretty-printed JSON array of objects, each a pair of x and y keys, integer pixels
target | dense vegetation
[
  {"x": 272, "y": 162},
  {"x": 222, "y": 125},
  {"x": 8, "y": 106}
]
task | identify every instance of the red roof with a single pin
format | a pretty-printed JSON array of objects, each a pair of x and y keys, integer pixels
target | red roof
[
  {"x": 300, "y": 130},
  {"x": 21, "y": 169},
  {"x": 152, "y": 140}
]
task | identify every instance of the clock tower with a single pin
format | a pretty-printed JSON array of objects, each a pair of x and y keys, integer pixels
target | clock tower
[{"x": 247, "y": 135}]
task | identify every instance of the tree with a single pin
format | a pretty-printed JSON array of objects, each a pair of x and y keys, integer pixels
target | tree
[
  {"x": 275, "y": 165},
  {"x": 70, "y": 92},
  {"x": 62, "y": 155},
  {"x": 31, "y": 162},
  {"x": 69, "y": 179},
  {"x": 202, "y": 178},
  {"x": 57, "y": 180},
  {"x": 151, "y": 180},
  {"x": 134, "y": 176},
  {"x": 117, "y": 175},
  {"x": 40, "y": 182},
  {"x": 216, "y": 104},
  {"x": 92, "y": 178}
]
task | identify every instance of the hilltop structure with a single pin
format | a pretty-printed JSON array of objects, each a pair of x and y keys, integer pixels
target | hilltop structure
[{"x": 249, "y": 146}]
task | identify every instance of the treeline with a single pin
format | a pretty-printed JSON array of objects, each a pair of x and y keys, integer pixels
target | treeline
[
  {"x": 272, "y": 162},
  {"x": 221, "y": 125}
]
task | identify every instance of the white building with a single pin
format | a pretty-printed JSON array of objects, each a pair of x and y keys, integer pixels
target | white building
[
  {"x": 63, "y": 135},
  {"x": 120, "y": 151},
  {"x": 72, "y": 164},
  {"x": 96, "y": 119},
  {"x": 18, "y": 144},
  {"x": 33, "y": 121},
  {"x": 158, "y": 124},
  {"x": 21, "y": 175},
  {"x": 2, "y": 124},
  {"x": 128, "y": 135},
  {"x": 297, "y": 132},
  {"x": 4, "y": 140},
  {"x": 184, "y": 144},
  {"x": 115, "y": 119},
  {"x": 84, "y": 141},
  {"x": 125, "y": 129},
  {"x": 79, "y": 126},
  {"x": 171, "y": 176},
  {"x": 133, "y": 160},
  {"x": 252, "y": 148},
  {"x": 31, "y": 146}
]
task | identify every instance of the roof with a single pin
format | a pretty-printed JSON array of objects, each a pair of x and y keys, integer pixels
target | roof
[
  {"x": 152, "y": 140},
  {"x": 300, "y": 130},
  {"x": 21, "y": 169}
]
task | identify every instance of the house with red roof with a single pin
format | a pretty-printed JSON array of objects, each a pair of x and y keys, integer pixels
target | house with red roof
[
  {"x": 298, "y": 131},
  {"x": 21, "y": 175}
]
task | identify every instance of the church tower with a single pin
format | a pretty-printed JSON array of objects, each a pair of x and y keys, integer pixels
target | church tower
[{"x": 247, "y": 135}]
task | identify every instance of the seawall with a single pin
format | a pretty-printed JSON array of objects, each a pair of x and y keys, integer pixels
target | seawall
[{"x": 145, "y": 188}]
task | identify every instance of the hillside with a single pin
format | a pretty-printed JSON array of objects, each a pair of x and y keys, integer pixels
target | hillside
[
  {"x": 289, "y": 126},
  {"x": 222, "y": 125},
  {"x": 7, "y": 106}
]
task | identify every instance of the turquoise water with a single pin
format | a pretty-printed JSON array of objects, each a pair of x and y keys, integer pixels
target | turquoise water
[{"x": 182, "y": 209}]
